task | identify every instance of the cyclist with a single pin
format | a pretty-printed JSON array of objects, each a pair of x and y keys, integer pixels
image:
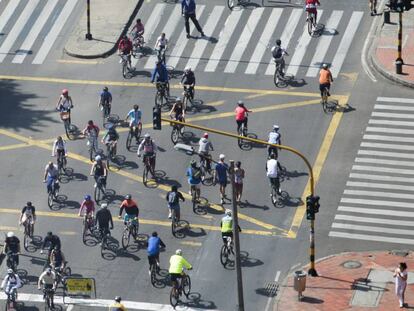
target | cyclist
[
  {"x": 64, "y": 103},
  {"x": 205, "y": 146},
  {"x": 88, "y": 206},
  {"x": 241, "y": 115},
  {"x": 161, "y": 74},
  {"x": 161, "y": 46},
  {"x": 59, "y": 148},
  {"x": 91, "y": 131},
  {"x": 138, "y": 29},
  {"x": 325, "y": 79},
  {"x": 48, "y": 280},
  {"x": 177, "y": 112},
  {"x": 12, "y": 247},
  {"x": 51, "y": 176},
  {"x": 220, "y": 176},
  {"x": 134, "y": 116},
  {"x": 226, "y": 226},
  {"x": 57, "y": 259},
  {"x": 272, "y": 173},
  {"x": 11, "y": 283},
  {"x": 52, "y": 240},
  {"x": 188, "y": 80},
  {"x": 310, "y": 7},
  {"x": 103, "y": 218},
  {"x": 373, "y": 7},
  {"x": 149, "y": 149},
  {"x": 111, "y": 137},
  {"x": 28, "y": 214},
  {"x": 278, "y": 54},
  {"x": 274, "y": 138},
  {"x": 117, "y": 305},
  {"x": 177, "y": 265},
  {"x": 125, "y": 48},
  {"x": 173, "y": 198},
  {"x": 105, "y": 99},
  {"x": 131, "y": 210},
  {"x": 153, "y": 250},
  {"x": 99, "y": 171},
  {"x": 194, "y": 178}
]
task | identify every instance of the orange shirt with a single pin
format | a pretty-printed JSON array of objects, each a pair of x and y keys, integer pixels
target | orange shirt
[{"x": 325, "y": 76}]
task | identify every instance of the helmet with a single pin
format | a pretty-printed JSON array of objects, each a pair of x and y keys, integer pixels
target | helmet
[
  {"x": 48, "y": 270},
  {"x": 118, "y": 299},
  {"x": 105, "y": 88},
  {"x": 278, "y": 42},
  {"x": 325, "y": 66},
  {"x": 178, "y": 100},
  {"x": 136, "y": 107},
  {"x": 174, "y": 188},
  {"x": 147, "y": 135},
  {"x": 59, "y": 138},
  {"x": 228, "y": 212},
  {"x": 128, "y": 197},
  {"x": 276, "y": 127},
  {"x": 188, "y": 68},
  {"x": 50, "y": 163},
  {"x": 193, "y": 162},
  {"x": 154, "y": 234},
  {"x": 10, "y": 234},
  {"x": 222, "y": 156},
  {"x": 10, "y": 271},
  {"x": 240, "y": 103},
  {"x": 104, "y": 205},
  {"x": 87, "y": 197},
  {"x": 49, "y": 233},
  {"x": 65, "y": 92},
  {"x": 29, "y": 203},
  {"x": 90, "y": 122},
  {"x": 205, "y": 135},
  {"x": 98, "y": 158},
  {"x": 178, "y": 252}
]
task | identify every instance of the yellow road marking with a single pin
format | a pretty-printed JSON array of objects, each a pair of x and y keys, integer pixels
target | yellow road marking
[
  {"x": 76, "y": 61},
  {"x": 8, "y": 228},
  {"x": 150, "y": 85},
  {"x": 255, "y": 96},
  {"x": 68, "y": 233},
  {"x": 215, "y": 104},
  {"x": 317, "y": 168},
  {"x": 191, "y": 243},
  {"x": 15, "y": 146}
]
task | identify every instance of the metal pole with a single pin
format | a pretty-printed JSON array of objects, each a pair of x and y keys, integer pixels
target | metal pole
[
  {"x": 399, "y": 61},
  {"x": 312, "y": 270},
  {"x": 88, "y": 35},
  {"x": 240, "y": 300}
]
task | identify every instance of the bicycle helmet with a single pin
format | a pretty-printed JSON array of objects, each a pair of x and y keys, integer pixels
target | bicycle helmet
[
  {"x": 278, "y": 42},
  {"x": 98, "y": 158},
  {"x": 178, "y": 100},
  {"x": 205, "y": 135},
  {"x": 90, "y": 122},
  {"x": 174, "y": 188},
  {"x": 29, "y": 203},
  {"x": 147, "y": 135},
  {"x": 10, "y": 234},
  {"x": 128, "y": 197},
  {"x": 136, "y": 107},
  {"x": 59, "y": 138},
  {"x": 228, "y": 212},
  {"x": 222, "y": 156},
  {"x": 105, "y": 89},
  {"x": 154, "y": 234},
  {"x": 240, "y": 103},
  {"x": 325, "y": 66},
  {"x": 138, "y": 20},
  {"x": 65, "y": 92},
  {"x": 276, "y": 127},
  {"x": 188, "y": 68},
  {"x": 118, "y": 299},
  {"x": 104, "y": 205},
  {"x": 87, "y": 197},
  {"x": 193, "y": 162},
  {"x": 48, "y": 270},
  {"x": 178, "y": 252},
  {"x": 49, "y": 233},
  {"x": 10, "y": 271}
]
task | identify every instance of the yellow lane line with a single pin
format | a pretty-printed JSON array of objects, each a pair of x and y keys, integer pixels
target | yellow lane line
[
  {"x": 82, "y": 62},
  {"x": 150, "y": 85},
  {"x": 191, "y": 243},
  {"x": 8, "y": 228},
  {"x": 215, "y": 104},
  {"x": 317, "y": 168},
  {"x": 255, "y": 96},
  {"x": 15, "y": 146}
]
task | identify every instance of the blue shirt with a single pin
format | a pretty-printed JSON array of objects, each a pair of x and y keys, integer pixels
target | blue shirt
[
  {"x": 160, "y": 73},
  {"x": 191, "y": 179},
  {"x": 106, "y": 96},
  {"x": 135, "y": 116},
  {"x": 153, "y": 246},
  {"x": 188, "y": 6},
  {"x": 221, "y": 170}
]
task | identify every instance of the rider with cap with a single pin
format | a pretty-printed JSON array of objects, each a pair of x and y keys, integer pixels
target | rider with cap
[
  {"x": 149, "y": 150},
  {"x": 188, "y": 80},
  {"x": 111, "y": 137},
  {"x": 103, "y": 219},
  {"x": 131, "y": 210},
  {"x": 87, "y": 209},
  {"x": 48, "y": 280},
  {"x": 241, "y": 115},
  {"x": 134, "y": 116},
  {"x": 125, "y": 48},
  {"x": 99, "y": 171},
  {"x": 278, "y": 54},
  {"x": 325, "y": 79},
  {"x": 51, "y": 176},
  {"x": 226, "y": 226},
  {"x": 204, "y": 148},
  {"x": 177, "y": 265},
  {"x": 274, "y": 138},
  {"x": 310, "y": 7},
  {"x": 177, "y": 112},
  {"x": 194, "y": 178},
  {"x": 11, "y": 283},
  {"x": 117, "y": 305},
  {"x": 28, "y": 214},
  {"x": 12, "y": 246},
  {"x": 64, "y": 103},
  {"x": 105, "y": 99}
]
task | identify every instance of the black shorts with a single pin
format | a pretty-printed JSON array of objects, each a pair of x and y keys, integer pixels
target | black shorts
[
  {"x": 323, "y": 86},
  {"x": 224, "y": 235},
  {"x": 175, "y": 276},
  {"x": 153, "y": 259}
]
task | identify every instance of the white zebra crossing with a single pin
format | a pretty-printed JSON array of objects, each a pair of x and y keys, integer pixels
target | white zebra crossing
[{"x": 378, "y": 201}]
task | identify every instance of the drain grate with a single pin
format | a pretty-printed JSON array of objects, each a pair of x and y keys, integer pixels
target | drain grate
[
  {"x": 271, "y": 289},
  {"x": 351, "y": 264}
]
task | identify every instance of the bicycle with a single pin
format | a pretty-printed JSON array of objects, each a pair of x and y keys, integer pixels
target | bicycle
[
  {"x": 206, "y": 172},
  {"x": 11, "y": 260},
  {"x": 161, "y": 94},
  {"x": 87, "y": 226},
  {"x": 106, "y": 110},
  {"x": 134, "y": 131},
  {"x": 327, "y": 106},
  {"x": 242, "y": 133},
  {"x": 124, "y": 65},
  {"x": 62, "y": 274},
  {"x": 177, "y": 131},
  {"x": 48, "y": 294},
  {"x": 92, "y": 143},
  {"x": 65, "y": 117},
  {"x": 280, "y": 79},
  {"x": 161, "y": 55},
  {"x": 194, "y": 199},
  {"x": 28, "y": 232},
  {"x": 188, "y": 96},
  {"x": 148, "y": 168},
  {"x": 137, "y": 44},
  {"x": 178, "y": 289},
  {"x": 110, "y": 152},
  {"x": 311, "y": 20},
  {"x": 52, "y": 193},
  {"x": 61, "y": 164},
  {"x": 153, "y": 273},
  {"x": 11, "y": 301},
  {"x": 103, "y": 235},
  {"x": 100, "y": 189},
  {"x": 174, "y": 222},
  {"x": 275, "y": 192},
  {"x": 226, "y": 251},
  {"x": 233, "y": 3},
  {"x": 131, "y": 229}
]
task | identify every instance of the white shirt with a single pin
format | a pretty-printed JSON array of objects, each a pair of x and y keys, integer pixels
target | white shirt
[
  {"x": 65, "y": 102},
  {"x": 51, "y": 172},
  {"x": 399, "y": 282},
  {"x": 11, "y": 281},
  {"x": 204, "y": 145},
  {"x": 47, "y": 279},
  {"x": 58, "y": 145},
  {"x": 161, "y": 42},
  {"x": 274, "y": 138},
  {"x": 271, "y": 168}
]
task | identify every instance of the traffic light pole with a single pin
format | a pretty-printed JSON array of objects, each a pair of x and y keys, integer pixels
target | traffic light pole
[
  {"x": 400, "y": 25},
  {"x": 88, "y": 35}
]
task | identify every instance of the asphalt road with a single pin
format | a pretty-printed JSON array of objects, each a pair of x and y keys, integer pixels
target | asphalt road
[{"x": 271, "y": 243}]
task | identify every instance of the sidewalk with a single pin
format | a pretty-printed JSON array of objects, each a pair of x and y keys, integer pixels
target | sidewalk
[
  {"x": 350, "y": 281},
  {"x": 109, "y": 20},
  {"x": 384, "y": 50}
]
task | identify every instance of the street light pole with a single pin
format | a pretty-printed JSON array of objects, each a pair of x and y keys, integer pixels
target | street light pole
[
  {"x": 240, "y": 300},
  {"x": 88, "y": 35}
]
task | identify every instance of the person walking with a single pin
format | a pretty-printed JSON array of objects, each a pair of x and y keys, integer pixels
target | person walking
[
  {"x": 238, "y": 181},
  {"x": 188, "y": 10},
  {"x": 220, "y": 176},
  {"x": 400, "y": 275}
]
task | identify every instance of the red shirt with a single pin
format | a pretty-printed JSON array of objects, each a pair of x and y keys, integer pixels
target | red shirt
[
  {"x": 88, "y": 206},
  {"x": 241, "y": 113},
  {"x": 125, "y": 45}
]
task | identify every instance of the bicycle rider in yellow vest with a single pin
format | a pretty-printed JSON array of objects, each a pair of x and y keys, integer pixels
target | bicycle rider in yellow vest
[
  {"x": 177, "y": 265},
  {"x": 227, "y": 226}
]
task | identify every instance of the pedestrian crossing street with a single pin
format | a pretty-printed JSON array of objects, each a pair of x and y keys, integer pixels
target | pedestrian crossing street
[
  {"x": 378, "y": 201},
  {"x": 243, "y": 39}
]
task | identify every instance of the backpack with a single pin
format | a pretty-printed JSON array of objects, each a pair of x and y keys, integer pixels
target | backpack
[
  {"x": 277, "y": 52},
  {"x": 196, "y": 173},
  {"x": 172, "y": 198}
]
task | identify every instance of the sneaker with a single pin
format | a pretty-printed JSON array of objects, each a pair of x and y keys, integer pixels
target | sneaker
[
  {"x": 279, "y": 192},
  {"x": 221, "y": 201},
  {"x": 189, "y": 192},
  {"x": 188, "y": 36},
  {"x": 169, "y": 215}
]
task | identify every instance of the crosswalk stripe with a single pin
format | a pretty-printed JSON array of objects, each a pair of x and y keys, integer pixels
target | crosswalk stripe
[
  {"x": 324, "y": 43},
  {"x": 387, "y": 162},
  {"x": 54, "y": 31},
  {"x": 386, "y": 154},
  {"x": 17, "y": 28},
  {"x": 382, "y": 169},
  {"x": 375, "y": 211},
  {"x": 391, "y": 122},
  {"x": 378, "y": 185},
  {"x": 395, "y": 100},
  {"x": 374, "y": 238},
  {"x": 393, "y": 115},
  {"x": 182, "y": 41},
  {"x": 209, "y": 28},
  {"x": 286, "y": 36},
  {"x": 372, "y": 229},
  {"x": 223, "y": 40},
  {"x": 243, "y": 41},
  {"x": 387, "y": 146},
  {"x": 372, "y": 220},
  {"x": 24, "y": 49},
  {"x": 388, "y": 138},
  {"x": 388, "y": 130},
  {"x": 345, "y": 43},
  {"x": 264, "y": 41},
  {"x": 379, "y": 194},
  {"x": 377, "y": 202},
  {"x": 392, "y": 107},
  {"x": 381, "y": 177},
  {"x": 7, "y": 13},
  {"x": 168, "y": 29}
]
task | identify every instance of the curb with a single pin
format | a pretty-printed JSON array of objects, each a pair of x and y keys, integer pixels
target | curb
[{"x": 114, "y": 48}]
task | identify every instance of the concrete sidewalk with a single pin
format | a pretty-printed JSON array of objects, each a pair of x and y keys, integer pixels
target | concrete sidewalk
[
  {"x": 350, "y": 281},
  {"x": 384, "y": 50},
  {"x": 109, "y": 20}
]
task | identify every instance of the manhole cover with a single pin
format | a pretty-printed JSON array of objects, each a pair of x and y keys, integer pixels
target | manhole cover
[
  {"x": 351, "y": 264},
  {"x": 401, "y": 253}
]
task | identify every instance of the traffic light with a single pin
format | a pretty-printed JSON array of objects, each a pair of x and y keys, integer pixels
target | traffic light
[
  {"x": 310, "y": 213},
  {"x": 156, "y": 118},
  {"x": 407, "y": 5},
  {"x": 316, "y": 204}
]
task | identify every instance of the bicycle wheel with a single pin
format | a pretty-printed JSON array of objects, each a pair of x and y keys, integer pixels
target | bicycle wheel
[
  {"x": 50, "y": 199},
  {"x": 67, "y": 271},
  {"x": 173, "y": 222},
  {"x": 126, "y": 235},
  {"x": 66, "y": 124},
  {"x": 159, "y": 98},
  {"x": 153, "y": 274},
  {"x": 174, "y": 297},
  {"x": 91, "y": 153},
  {"x": 145, "y": 174},
  {"x": 186, "y": 284},
  {"x": 138, "y": 130},
  {"x": 97, "y": 194},
  {"x": 240, "y": 140},
  {"x": 124, "y": 69},
  {"x": 324, "y": 101},
  {"x": 105, "y": 112},
  {"x": 129, "y": 140},
  {"x": 193, "y": 200},
  {"x": 84, "y": 231},
  {"x": 26, "y": 240},
  {"x": 231, "y": 4},
  {"x": 310, "y": 24},
  {"x": 185, "y": 100},
  {"x": 224, "y": 255},
  {"x": 103, "y": 244},
  {"x": 175, "y": 133},
  {"x": 274, "y": 196}
]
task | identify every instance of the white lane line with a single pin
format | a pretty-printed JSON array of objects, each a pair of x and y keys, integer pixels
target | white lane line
[
  {"x": 389, "y": 138},
  {"x": 201, "y": 44},
  {"x": 373, "y": 220},
  {"x": 24, "y": 50},
  {"x": 392, "y": 107},
  {"x": 377, "y": 202},
  {"x": 379, "y": 194},
  {"x": 382, "y": 169},
  {"x": 182, "y": 41},
  {"x": 379, "y": 185},
  {"x": 391, "y": 122},
  {"x": 243, "y": 41},
  {"x": 375, "y": 211},
  {"x": 269, "y": 300},
  {"x": 386, "y": 154},
  {"x": 387, "y": 146},
  {"x": 346, "y": 42},
  {"x": 54, "y": 32},
  {"x": 324, "y": 43},
  {"x": 375, "y": 238},
  {"x": 395, "y": 100},
  {"x": 264, "y": 41},
  {"x": 17, "y": 29},
  {"x": 7, "y": 13},
  {"x": 392, "y": 115},
  {"x": 381, "y": 178},
  {"x": 223, "y": 40},
  {"x": 169, "y": 27},
  {"x": 387, "y": 162},
  {"x": 388, "y": 130},
  {"x": 287, "y": 34},
  {"x": 384, "y": 230}
]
